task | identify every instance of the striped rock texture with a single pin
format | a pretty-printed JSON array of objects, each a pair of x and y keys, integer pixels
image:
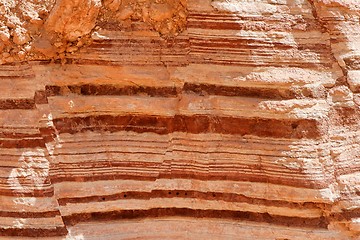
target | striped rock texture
[{"x": 197, "y": 119}]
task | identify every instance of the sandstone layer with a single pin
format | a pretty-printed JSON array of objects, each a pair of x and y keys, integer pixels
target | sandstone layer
[{"x": 175, "y": 119}]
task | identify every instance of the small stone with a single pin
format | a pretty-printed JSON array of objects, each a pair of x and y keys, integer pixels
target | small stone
[
  {"x": 10, "y": 24},
  {"x": 21, "y": 55},
  {"x": 21, "y": 36},
  {"x": 37, "y": 21},
  {"x": 9, "y": 59},
  {"x": 61, "y": 49},
  {"x": 27, "y": 48},
  {"x": 80, "y": 44},
  {"x": 4, "y": 34},
  {"x": 124, "y": 13},
  {"x": 160, "y": 12},
  {"x": 6, "y": 54},
  {"x": 58, "y": 44},
  {"x": 2, "y": 9},
  {"x": 61, "y": 55},
  {"x": 72, "y": 49}
]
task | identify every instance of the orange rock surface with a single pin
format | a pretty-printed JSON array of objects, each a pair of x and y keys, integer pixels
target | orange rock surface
[{"x": 175, "y": 119}]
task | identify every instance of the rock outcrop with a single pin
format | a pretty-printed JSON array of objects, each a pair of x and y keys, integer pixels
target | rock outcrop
[{"x": 161, "y": 119}]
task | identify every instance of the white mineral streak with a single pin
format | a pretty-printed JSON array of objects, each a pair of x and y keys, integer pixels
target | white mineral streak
[
  {"x": 72, "y": 236},
  {"x": 33, "y": 172}
]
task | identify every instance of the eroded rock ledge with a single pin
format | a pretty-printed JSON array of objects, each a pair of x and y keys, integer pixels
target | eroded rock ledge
[
  {"x": 49, "y": 29},
  {"x": 151, "y": 119}
]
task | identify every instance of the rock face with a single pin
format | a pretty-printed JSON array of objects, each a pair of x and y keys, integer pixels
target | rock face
[{"x": 150, "y": 119}]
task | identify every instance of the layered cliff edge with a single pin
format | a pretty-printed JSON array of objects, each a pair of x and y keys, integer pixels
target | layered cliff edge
[{"x": 161, "y": 119}]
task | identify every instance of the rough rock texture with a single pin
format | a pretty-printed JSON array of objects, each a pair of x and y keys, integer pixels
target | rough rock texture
[{"x": 197, "y": 119}]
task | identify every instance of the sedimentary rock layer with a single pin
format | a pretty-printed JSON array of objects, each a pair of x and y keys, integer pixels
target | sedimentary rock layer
[{"x": 179, "y": 119}]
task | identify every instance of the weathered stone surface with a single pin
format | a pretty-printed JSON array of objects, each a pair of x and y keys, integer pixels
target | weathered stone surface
[
  {"x": 148, "y": 119},
  {"x": 73, "y": 19}
]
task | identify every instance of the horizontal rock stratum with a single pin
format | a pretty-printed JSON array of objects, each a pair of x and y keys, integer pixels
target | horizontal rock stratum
[{"x": 180, "y": 119}]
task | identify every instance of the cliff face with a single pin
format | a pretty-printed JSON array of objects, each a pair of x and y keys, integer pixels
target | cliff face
[{"x": 148, "y": 119}]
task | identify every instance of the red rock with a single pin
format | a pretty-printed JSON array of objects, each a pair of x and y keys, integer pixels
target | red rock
[{"x": 179, "y": 119}]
